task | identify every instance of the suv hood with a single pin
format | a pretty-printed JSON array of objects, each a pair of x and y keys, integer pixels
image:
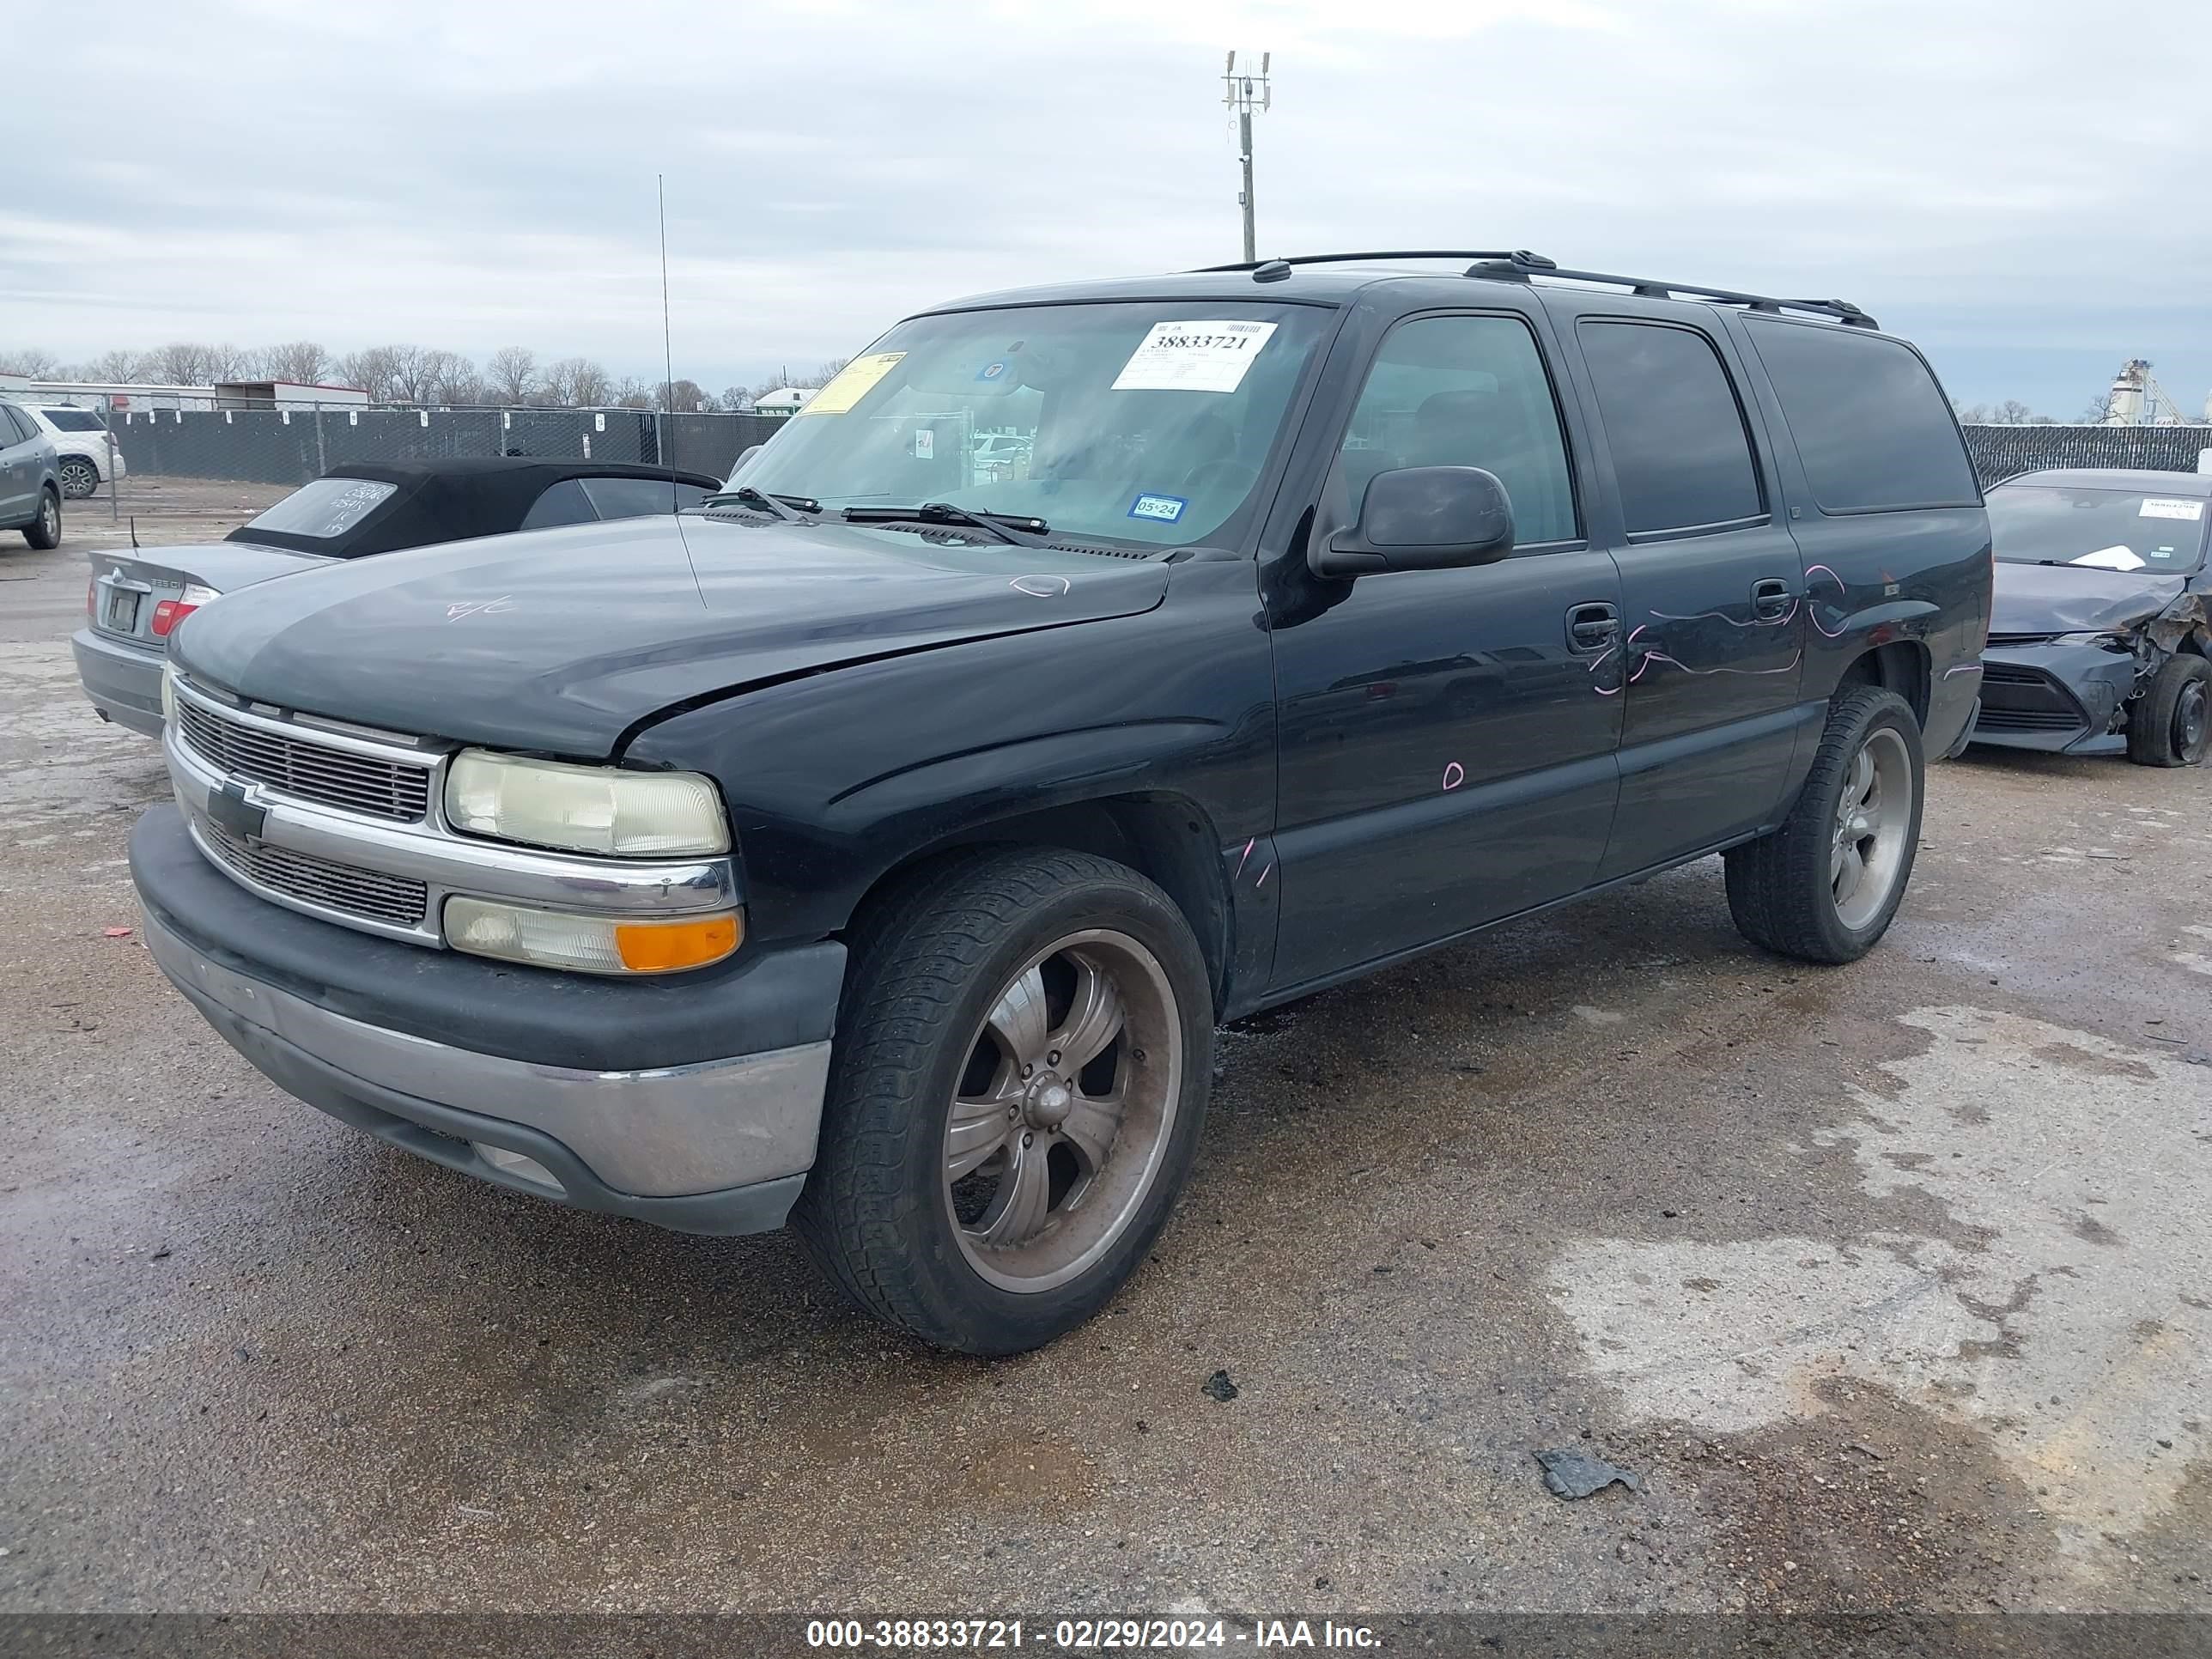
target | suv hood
[
  {"x": 559, "y": 640},
  {"x": 2072, "y": 598}
]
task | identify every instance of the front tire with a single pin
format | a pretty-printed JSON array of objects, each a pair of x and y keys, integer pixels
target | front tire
[
  {"x": 80, "y": 478},
  {"x": 2171, "y": 724},
  {"x": 1824, "y": 886},
  {"x": 1024, "y": 1053},
  {"x": 44, "y": 532}
]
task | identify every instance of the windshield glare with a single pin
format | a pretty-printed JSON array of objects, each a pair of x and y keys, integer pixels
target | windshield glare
[
  {"x": 2099, "y": 529},
  {"x": 1142, "y": 422}
]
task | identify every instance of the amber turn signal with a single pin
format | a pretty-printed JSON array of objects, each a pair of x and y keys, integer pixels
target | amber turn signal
[{"x": 666, "y": 947}]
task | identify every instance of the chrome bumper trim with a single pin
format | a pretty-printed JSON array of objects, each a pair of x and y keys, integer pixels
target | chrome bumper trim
[
  {"x": 672, "y": 1131},
  {"x": 445, "y": 863}
]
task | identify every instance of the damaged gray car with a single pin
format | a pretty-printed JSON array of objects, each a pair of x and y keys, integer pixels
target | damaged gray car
[{"x": 2099, "y": 639}]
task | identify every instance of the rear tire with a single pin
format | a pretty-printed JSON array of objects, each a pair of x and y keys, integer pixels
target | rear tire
[
  {"x": 44, "y": 532},
  {"x": 80, "y": 477},
  {"x": 2171, "y": 724},
  {"x": 982, "y": 1196},
  {"x": 1824, "y": 886}
]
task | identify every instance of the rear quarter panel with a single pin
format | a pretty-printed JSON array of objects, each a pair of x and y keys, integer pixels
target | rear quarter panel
[{"x": 1921, "y": 576}]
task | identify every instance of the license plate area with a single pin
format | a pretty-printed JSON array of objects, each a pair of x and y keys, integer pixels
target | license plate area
[{"x": 123, "y": 610}]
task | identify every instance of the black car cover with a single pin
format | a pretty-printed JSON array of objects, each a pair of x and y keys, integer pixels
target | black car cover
[{"x": 450, "y": 501}]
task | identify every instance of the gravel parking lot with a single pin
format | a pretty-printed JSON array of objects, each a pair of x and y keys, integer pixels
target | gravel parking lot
[{"x": 1893, "y": 1283}]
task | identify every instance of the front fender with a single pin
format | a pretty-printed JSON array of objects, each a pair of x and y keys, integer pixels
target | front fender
[{"x": 834, "y": 779}]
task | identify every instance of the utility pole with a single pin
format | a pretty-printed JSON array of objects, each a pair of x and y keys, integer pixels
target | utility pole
[{"x": 1244, "y": 91}]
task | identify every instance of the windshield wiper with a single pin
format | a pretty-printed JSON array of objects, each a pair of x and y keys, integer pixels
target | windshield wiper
[
  {"x": 780, "y": 506},
  {"x": 1003, "y": 526}
]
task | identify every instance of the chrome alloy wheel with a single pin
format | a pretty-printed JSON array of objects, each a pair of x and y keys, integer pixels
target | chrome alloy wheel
[
  {"x": 1064, "y": 1110},
  {"x": 1873, "y": 815},
  {"x": 79, "y": 479}
]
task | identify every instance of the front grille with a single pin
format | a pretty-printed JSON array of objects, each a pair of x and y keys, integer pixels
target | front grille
[
  {"x": 2026, "y": 719},
  {"x": 369, "y": 894},
  {"x": 2022, "y": 638},
  {"x": 313, "y": 771},
  {"x": 2017, "y": 699}
]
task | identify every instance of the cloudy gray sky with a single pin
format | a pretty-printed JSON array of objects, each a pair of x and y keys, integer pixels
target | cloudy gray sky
[{"x": 2021, "y": 186}]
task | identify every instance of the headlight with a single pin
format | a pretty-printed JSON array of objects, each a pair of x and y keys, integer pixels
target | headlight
[
  {"x": 589, "y": 944},
  {"x": 583, "y": 809},
  {"x": 168, "y": 695}
]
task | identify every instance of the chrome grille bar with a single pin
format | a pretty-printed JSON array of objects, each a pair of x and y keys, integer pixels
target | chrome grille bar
[
  {"x": 366, "y": 893},
  {"x": 337, "y": 777}
]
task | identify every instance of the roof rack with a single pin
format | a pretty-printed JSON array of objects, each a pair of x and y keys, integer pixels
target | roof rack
[{"x": 1519, "y": 265}]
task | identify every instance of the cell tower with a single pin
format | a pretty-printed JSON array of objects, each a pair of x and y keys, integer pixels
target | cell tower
[{"x": 1245, "y": 94}]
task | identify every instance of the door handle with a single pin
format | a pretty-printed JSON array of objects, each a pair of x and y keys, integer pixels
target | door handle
[
  {"x": 1592, "y": 627},
  {"x": 1771, "y": 597}
]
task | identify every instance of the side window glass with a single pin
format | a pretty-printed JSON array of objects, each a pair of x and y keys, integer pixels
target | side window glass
[
  {"x": 1466, "y": 392},
  {"x": 563, "y": 503},
  {"x": 1680, "y": 454},
  {"x": 637, "y": 498},
  {"x": 14, "y": 428},
  {"x": 1872, "y": 426}
]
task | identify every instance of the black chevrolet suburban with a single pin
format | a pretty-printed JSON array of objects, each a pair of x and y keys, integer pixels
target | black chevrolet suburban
[{"x": 878, "y": 846}]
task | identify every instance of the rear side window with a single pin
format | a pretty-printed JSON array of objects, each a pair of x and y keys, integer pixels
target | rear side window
[
  {"x": 563, "y": 503},
  {"x": 1680, "y": 454},
  {"x": 326, "y": 507},
  {"x": 72, "y": 420},
  {"x": 1466, "y": 392},
  {"x": 1871, "y": 425},
  {"x": 15, "y": 428},
  {"x": 635, "y": 498}
]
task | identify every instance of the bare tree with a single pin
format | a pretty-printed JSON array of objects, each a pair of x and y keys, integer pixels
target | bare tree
[
  {"x": 685, "y": 396},
  {"x": 736, "y": 397},
  {"x": 230, "y": 362},
  {"x": 119, "y": 367},
  {"x": 30, "y": 360},
  {"x": 633, "y": 393},
  {"x": 452, "y": 378},
  {"x": 2012, "y": 412},
  {"x": 511, "y": 372},
  {"x": 302, "y": 362},
  {"x": 182, "y": 362},
  {"x": 578, "y": 383},
  {"x": 821, "y": 375},
  {"x": 372, "y": 369},
  {"x": 1972, "y": 414}
]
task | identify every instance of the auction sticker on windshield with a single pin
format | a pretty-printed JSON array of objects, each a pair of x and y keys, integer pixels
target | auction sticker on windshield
[
  {"x": 2156, "y": 506},
  {"x": 851, "y": 383},
  {"x": 1195, "y": 356}
]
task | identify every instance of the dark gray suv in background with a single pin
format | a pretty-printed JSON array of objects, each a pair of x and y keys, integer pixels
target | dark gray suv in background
[{"x": 30, "y": 484}]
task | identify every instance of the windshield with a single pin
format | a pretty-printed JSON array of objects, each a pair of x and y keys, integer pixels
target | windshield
[
  {"x": 2099, "y": 529},
  {"x": 1144, "y": 423},
  {"x": 72, "y": 420}
]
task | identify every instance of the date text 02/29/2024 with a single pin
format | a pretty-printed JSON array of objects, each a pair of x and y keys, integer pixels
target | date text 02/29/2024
[{"x": 1084, "y": 1635}]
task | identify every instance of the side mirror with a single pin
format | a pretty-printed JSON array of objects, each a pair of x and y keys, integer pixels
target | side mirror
[{"x": 1422, "y": 518}]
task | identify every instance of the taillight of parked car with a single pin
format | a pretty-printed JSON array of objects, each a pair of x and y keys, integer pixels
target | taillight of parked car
[
  {"x": 170, "y": 612},
  {"x": 92, "y": 600}
]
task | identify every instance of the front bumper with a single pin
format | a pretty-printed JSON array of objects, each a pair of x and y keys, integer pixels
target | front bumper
[
  {"x": 615, "y": 1096},
  {"x": 2058, "y": 698},
  {"x": 123, "y": 680}
]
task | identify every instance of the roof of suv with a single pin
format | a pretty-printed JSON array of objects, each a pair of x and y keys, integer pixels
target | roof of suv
[
  {"x": 1333, "y": 279},
  {"x": 2184, "y": 484}
]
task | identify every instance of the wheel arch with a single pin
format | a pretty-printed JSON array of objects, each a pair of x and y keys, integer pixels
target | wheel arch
[
  {"x": 1904, "y": 666},
  {"x": 1166, "y": 837}
]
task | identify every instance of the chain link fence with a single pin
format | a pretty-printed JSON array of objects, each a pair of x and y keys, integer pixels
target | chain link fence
[
  {"x": 178, "y": 462},
  {"x": 169, "y": 455}
]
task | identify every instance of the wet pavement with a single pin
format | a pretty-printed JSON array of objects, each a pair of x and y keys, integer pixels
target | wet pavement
[{"x": 1891, "y": 1284}]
